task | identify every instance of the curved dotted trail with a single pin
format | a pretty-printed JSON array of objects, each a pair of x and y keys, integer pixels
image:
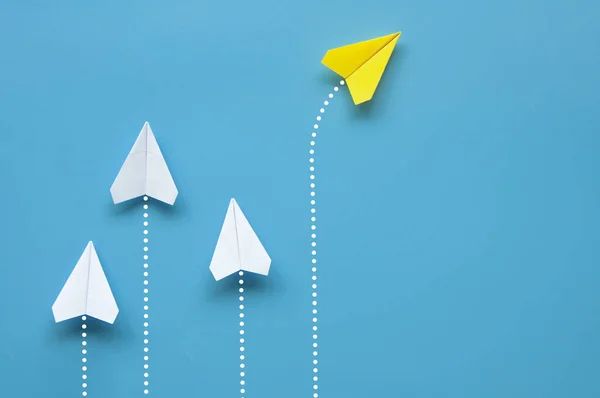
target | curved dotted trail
[
  {"x": 146, "y": 382},
  {"x": 83, "y": 358},
  {"x": 242, "y": 340},
  {"x": 313, "y": 243}
]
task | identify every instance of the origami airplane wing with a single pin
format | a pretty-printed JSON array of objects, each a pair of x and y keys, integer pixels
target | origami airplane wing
[
  {"x": 144, "y": 172},
  {"x": 362, "y": 64},
  {"x": 86, "y": 291},
  {"x": 238, "y": 248},
  {"x": 226, "y": 257}
]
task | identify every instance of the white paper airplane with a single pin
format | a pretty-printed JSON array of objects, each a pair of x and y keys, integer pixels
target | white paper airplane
[
  {"x": 86, "y": 292},
  {"x": 238, "y": 247},
  {"x": 144, "y": 172}
]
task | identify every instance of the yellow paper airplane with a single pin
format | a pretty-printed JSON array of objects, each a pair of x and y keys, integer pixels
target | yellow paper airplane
[{"x": 362, "y": 64}]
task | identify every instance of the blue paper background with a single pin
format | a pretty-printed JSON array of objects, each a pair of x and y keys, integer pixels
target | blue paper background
[{"x": 458, "y": 212}]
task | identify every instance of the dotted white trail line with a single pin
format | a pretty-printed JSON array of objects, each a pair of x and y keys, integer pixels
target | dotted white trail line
[
  {"x": 83, "y": 358},
  {"x": 242, "y": 340},
  {"x": 313, "y": 243},
  {"x": 146, "y": 295}
]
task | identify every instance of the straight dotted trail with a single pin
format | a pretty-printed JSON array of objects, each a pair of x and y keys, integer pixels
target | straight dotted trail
[{"x": 146, "y": 331}]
